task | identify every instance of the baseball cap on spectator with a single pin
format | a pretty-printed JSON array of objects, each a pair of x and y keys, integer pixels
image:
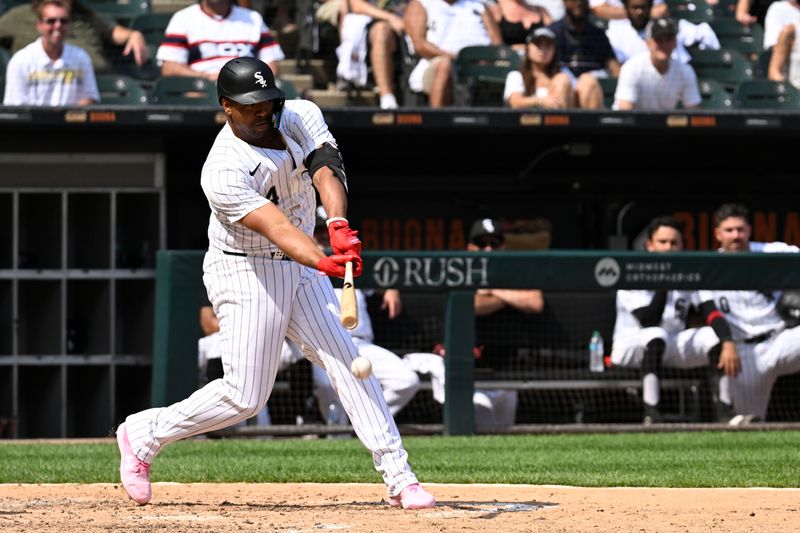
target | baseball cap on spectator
[
  {"x": 661, "y": 26},
  {"x": 485, "y": 232},
  {"x": 540, "y": 32}
]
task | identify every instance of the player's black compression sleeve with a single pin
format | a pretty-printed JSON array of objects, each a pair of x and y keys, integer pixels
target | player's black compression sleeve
[
  {"x": 716, "y": 320},
  {"x": 650, "y": 315}
]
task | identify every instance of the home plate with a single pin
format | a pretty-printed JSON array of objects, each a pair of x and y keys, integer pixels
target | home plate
[{"x": 468, "y": 508}]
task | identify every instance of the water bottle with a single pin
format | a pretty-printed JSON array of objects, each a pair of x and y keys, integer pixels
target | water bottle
[{"x": 596, "y": 352}]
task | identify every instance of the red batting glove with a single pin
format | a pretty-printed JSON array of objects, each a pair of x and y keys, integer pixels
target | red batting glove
[
  {"x": 344, "y": 240},
  {"x": 333, "y": 265}
]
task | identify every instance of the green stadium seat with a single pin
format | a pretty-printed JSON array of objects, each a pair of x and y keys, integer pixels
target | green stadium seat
[
  {"x": 714, "y": 95},
  {"x": 761, "y": 65},
  {"x": 767, "y": 94},
  {"x": 749, "y": 40},
  {"x": 728, "y": 67},
  {"x": 180, "y": 90},
  {"x": 480, "y": 74},
  {"x": 609, "y": 86},
  {"x": 152, "y": 26},
  {"x": 120, "y": 10},
  {"x": 695, "y": 11},
  {"x": 117, "y": 89},
  {"x": 725, "y": 9}
]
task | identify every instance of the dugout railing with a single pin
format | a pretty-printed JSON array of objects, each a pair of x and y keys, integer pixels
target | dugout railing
[{"x": 179, "y": 293}]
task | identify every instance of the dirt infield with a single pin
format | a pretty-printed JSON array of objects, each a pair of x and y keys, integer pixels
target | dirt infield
[{"x": 309, "y": 507}]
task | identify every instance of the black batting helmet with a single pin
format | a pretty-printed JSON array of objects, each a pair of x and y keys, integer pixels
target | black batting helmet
[{"x": 248, "y": 80}]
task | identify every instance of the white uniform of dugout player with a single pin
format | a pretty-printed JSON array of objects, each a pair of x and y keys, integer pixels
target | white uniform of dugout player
[
  {"x": 767, "y": 348},
  {"x": 650, "y": 329},
  {"x": 260, "y": 179},
  {"x": 398, "y": 382}
]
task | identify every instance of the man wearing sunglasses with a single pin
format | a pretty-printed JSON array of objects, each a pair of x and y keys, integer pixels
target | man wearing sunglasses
[{"x": 48, "y": 71}]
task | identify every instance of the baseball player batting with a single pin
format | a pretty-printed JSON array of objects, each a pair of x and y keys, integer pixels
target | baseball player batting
[
  {"x": 262, "y": 273},
  {"x": 768, "y": 349}
]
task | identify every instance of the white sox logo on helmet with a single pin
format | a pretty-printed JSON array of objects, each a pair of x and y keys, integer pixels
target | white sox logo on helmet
[{"x": 260, "y": 79}]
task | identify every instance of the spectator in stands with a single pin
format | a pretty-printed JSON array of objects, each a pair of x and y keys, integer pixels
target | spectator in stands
[
  {"x": 650, "y": 331},
  {"x": 768, "y": 348},
  {"x": 202, "y": 37},
  {"x": 584, "y": 49},
  {"x": 371, "y": 30},
  {"x": 89, "y": 30},
  {"x": 50, "y": 72},
  {"x": 613, "y": 10},
  {"x": 494, "y": 408},
  {"x": 751, "y": 11},
  {"x": 516, "y": 19},
  {"x": 627, "y": 36},
  {"x": 780, "y": 15},
  {"x": 438, "y": 30},
  {"x": 784, "y": 63},
  {"x": 652, "y": 80},
  {"x": 539, "y": 82}
]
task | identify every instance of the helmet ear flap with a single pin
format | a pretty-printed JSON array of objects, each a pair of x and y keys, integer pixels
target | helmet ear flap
[{"x": 277, "y": 112}]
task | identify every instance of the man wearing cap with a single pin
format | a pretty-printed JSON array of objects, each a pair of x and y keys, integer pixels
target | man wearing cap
[
  {"x": 627, "y": 36},
  {"x": 651, "y": 80},
  {"x": 486, "y": 235},
  {"x": 494, "y": 408}
]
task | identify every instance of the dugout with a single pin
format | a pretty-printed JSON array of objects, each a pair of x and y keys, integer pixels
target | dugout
[{"x": 95, "y": 194}]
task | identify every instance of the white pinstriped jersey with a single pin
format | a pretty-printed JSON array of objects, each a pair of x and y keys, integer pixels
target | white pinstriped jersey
[
  {"x": 673, "y": 319},
  {"x": 238, "y": 178},
  {"x": 205, "y": 43},
  {"x": 752, "y": 313}
]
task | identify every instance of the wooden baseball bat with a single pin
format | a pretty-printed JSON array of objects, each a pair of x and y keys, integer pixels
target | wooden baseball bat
[{"x": 349, "y": 309}]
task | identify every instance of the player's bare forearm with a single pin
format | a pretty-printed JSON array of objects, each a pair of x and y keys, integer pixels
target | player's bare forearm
[
  {"x": 486, "y": 303},
  {"x": 526, "y": 301},
  {"x": 331, "y": 192},
  {"x": 270, "y": 222},
  {"x": 729, "y": 361}
]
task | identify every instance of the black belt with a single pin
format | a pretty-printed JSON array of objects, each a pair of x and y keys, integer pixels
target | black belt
[
  {"x": 761, "y": 338},
  {"x": 277, "y": 256}
]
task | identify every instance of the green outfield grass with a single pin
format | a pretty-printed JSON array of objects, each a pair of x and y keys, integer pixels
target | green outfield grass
[{"x": 713, "y": 459}]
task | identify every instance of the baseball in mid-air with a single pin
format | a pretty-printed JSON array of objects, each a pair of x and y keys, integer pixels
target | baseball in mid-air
[{"x": 361, "y": 367}]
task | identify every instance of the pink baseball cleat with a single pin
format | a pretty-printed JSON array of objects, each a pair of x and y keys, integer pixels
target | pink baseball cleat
[
  {"x": 133, "y": 472},
  {"x": 413, "y": 497}
]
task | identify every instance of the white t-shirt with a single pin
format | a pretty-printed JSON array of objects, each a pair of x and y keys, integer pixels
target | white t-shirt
[
  {"x": 32, "y": 78},
  {"x": 628, "y": 42},
  {"x": 238, "y": 178},
  {"x": 206, "y": 42},
  {"x": 516, "y": 84},
  {"x": 639, "y": 82},
  {"x": 451, "y": 27},
  {"x": 779, "y": 15}
]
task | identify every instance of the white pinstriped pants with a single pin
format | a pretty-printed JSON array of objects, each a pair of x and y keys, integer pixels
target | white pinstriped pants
[{"x": 259, "y": 301}]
